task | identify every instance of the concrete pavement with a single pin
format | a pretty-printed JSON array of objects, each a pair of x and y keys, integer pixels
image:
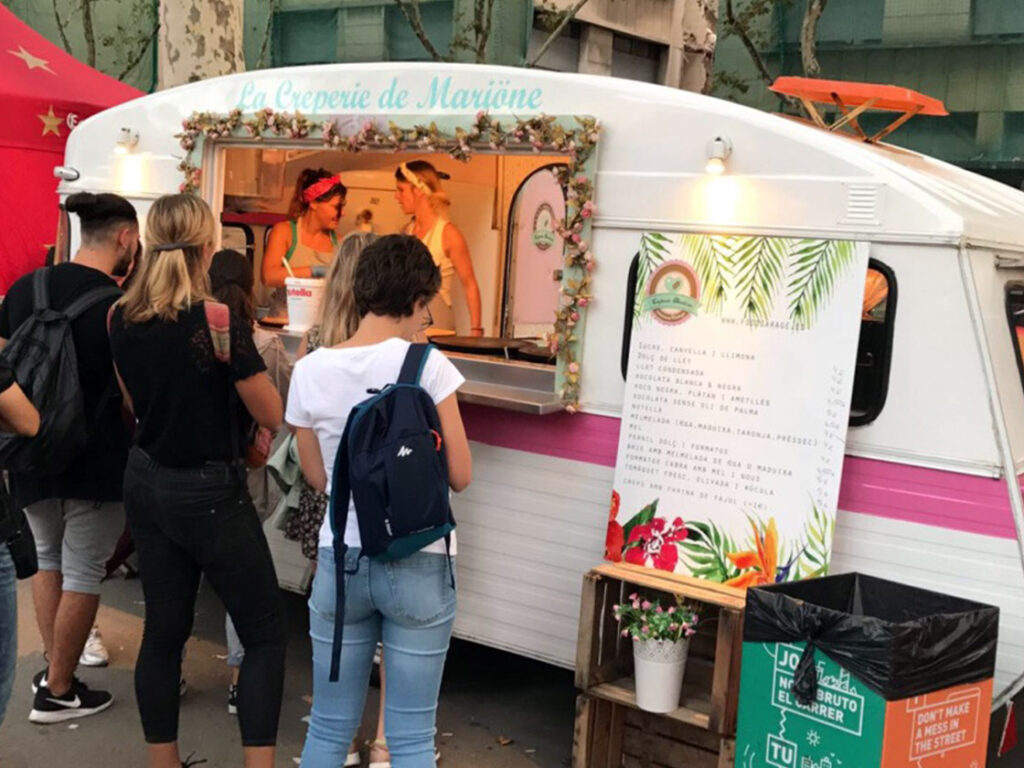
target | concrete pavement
[{"x": 486, "y": 695}]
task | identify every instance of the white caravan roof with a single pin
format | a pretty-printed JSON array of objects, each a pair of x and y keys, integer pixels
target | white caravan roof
[{"x": 783, "y": 177}]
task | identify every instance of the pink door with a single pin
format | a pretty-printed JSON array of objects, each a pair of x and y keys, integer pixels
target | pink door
[{"x": 535, "y": 255}]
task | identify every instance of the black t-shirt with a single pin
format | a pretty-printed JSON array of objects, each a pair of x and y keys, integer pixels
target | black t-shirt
[
  {"x": 180, "y": 391},
  {"x": 97, "y": 474}
]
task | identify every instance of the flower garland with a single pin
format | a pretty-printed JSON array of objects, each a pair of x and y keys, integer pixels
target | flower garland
[{"x": 538, "y": 134}]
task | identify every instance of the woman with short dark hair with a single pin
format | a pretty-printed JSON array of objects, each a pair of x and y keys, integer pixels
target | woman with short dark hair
[{"x": 408, "y": 604}]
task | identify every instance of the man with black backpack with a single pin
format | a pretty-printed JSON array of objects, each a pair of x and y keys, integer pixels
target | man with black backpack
[{"x": 68, "y": 478}]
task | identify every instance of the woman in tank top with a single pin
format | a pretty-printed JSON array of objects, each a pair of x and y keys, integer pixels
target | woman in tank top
[
  {"x": 418, "y": 191},
  {"x": 305, "y": 245}
]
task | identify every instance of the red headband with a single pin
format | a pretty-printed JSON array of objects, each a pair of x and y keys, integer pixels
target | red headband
[{"x": 319, "y": 188}]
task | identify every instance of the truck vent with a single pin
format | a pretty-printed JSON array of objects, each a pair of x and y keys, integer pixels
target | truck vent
[{"x": 862, "y": 204}]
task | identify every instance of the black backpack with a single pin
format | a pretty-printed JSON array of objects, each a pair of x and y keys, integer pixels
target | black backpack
[
  {"x": 391, "y": 458},
  {"x": 41, "y": 353}
]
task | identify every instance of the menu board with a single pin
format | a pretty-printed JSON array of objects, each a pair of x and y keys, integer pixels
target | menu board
[{"x": 740, "y": 376}]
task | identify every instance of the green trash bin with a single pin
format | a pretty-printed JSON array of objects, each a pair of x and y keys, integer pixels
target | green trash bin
[{"x": 852, "y": 671}]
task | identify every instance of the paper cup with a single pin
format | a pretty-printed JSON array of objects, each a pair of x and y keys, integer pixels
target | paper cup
[{"x": 304, "y": 295}]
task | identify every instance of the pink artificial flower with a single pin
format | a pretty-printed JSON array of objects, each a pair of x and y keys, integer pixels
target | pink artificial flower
[
  {"x": 634, "y": 596},
  {"x": 583, "y": 302},
  {"x": 659, "y": 610},
  {"x": 671, "y": 610},
  {"x": 574, "y": 367},
  {"x": 645, "y": 629},
  {"x": 646, "y": 605},
  {"x": 575, "y": 238},
  {"x": 581, "y": 178}
]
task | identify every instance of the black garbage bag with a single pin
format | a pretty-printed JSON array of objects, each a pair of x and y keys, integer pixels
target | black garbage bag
[{"x": 900, "y": 641}]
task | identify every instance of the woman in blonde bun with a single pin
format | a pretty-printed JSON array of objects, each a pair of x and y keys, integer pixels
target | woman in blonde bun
[{"x": 418, "y": 191}]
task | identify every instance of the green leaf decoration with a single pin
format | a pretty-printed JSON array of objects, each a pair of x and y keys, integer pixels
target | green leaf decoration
[
  {"x": 815, "y": 267},
  {"x": 758, "y": 264},
  {"x": 654, "y": 251},
  {"x": 704, "y": 551},
  {"x": 643, "y": 517},
  {"x": 818, "y": 531},
  {"x": 711, "y": 256}
]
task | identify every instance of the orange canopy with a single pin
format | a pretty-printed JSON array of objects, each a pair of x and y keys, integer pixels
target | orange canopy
[{"x": 887, "y": 97}]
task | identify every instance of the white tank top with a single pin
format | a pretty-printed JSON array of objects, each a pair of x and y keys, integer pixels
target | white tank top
[{"x": 434, "y": 240}]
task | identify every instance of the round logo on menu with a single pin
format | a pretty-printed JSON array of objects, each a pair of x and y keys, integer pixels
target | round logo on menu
[{"x": 673, "y": 293}]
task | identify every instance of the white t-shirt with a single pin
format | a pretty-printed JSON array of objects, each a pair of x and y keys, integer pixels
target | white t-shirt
[{"x": 328, "y": 383}]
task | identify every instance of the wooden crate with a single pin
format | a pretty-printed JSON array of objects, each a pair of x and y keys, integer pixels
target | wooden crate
[
  {"x": 610, "y": 731},
  {"x": 609, "y": 735}
]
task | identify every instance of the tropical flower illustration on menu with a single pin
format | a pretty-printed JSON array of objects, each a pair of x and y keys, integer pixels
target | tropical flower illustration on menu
[{"x": 703, "y": 549}]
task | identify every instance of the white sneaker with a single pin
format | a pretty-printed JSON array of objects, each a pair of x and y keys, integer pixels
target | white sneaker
[{"x": 95, "y": 653}]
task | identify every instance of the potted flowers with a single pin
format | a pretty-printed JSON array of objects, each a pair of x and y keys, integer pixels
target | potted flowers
[{"x": 661, "y": 640}]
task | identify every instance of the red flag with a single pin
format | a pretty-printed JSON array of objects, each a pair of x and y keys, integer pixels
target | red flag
[{"x": 1009, "y": 738}]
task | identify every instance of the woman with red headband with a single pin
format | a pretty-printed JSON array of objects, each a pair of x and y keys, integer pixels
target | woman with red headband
[{"x": 305, "y": 245}]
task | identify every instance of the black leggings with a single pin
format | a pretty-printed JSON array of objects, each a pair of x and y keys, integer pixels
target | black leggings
[{"x": 187, "y": 522}]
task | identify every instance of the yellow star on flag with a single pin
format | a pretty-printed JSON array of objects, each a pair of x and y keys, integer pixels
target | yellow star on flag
[
  {"x": 51, "y": 123},
  {"x": 32, "y": 62}
]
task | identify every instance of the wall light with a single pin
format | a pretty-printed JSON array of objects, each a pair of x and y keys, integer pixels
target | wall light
[
  {"x": 126, "y": 141},
  {"x": 718, "y": 153},
  {"x": 66, "y": 173}
]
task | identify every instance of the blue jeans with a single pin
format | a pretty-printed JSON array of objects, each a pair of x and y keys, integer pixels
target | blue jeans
[
  {"x": 8, "y": 627},
  {"x": 409, "y": 605}
]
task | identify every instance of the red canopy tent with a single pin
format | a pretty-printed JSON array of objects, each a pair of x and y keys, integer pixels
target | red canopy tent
[{"x": 45, "y": 92}]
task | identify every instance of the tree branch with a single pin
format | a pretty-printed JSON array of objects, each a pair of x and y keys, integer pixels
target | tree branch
[
  {"x": 412, "y": 15},
  {"x": 90, "y": 35},
  {"x": 566, "y": 18},
  {"x": 60, "y": 28},
  {"x": 744, "y": 35},
  {"x": 151, "y": 40},
  {"x": 809, "y": 35},
  {"x": 262, "y": 60}
]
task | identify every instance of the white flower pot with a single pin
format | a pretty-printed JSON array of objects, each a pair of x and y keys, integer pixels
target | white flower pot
[{"x": 659, "y": 668}]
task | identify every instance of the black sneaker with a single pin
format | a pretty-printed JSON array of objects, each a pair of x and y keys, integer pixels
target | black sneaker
[
  {"x": 232, "y": 699},
  {"x": 79, "y": 701},
  {"x": 38, "y": 679}
]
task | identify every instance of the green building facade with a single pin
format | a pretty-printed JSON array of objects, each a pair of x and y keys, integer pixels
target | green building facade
[
  {"x": 299, "y": 32},
  {"x": 968, "y": 53}
]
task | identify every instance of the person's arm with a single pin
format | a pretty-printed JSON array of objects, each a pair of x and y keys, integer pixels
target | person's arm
[
  {"x": 261, "y": 400},
  {"x": 310, "y": 458},
  {"x": 273, "y": 270},
  {"x": 17, "y": 414},
  {"x": 460, "y": 460},
  {"x": 457, "y": 250}
]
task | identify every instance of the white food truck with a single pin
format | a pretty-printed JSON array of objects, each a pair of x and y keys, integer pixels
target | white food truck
[{"x": 931, "y": 493}]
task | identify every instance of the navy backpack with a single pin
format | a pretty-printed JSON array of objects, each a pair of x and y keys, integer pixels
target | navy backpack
[{"x": 391, "y": 459}]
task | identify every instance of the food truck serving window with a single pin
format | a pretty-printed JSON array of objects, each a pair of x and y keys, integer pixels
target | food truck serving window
[{"x": 496, "y": 219}]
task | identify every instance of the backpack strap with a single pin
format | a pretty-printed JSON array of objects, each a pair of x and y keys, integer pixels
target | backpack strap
[
  {"x": 218, "y": 318},
  {"x": 89, "y": 299},
  {"x": 340, "y": 489},
  {"x": 41, "y": 289},
  {"x": 415, "y": 360}
]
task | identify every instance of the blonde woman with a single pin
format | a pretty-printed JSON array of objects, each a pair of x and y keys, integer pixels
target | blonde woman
[
  {"x": 419, "y": 193},
  {"x": 191, "y": 373}
]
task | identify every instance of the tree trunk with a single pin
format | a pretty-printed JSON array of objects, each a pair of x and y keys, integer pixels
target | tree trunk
[
  {"x": 809, "y": 36},
  {"x": 199, "y": 39}
]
